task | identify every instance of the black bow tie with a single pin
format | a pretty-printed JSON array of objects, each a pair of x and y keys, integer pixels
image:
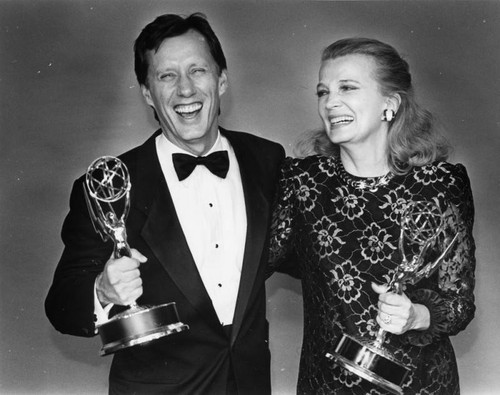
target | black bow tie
[{"x": 217, "y": 162}]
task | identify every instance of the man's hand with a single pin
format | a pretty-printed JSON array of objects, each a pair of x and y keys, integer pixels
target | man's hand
[{"x": 120, "y": 282}]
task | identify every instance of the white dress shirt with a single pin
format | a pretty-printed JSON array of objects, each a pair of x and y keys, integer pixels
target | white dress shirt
[{"x": 212, "y": 214}]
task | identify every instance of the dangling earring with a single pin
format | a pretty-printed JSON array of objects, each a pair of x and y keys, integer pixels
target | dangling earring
[{"x": 388, "y": 115}]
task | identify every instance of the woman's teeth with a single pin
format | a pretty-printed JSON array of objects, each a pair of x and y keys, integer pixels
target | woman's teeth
[{"x": 341, "y": 120}]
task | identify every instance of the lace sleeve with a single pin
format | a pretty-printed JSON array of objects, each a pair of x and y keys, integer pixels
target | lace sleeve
[
  {"x": 451, "y": 303},
  {"x": 281, "y": 256}
]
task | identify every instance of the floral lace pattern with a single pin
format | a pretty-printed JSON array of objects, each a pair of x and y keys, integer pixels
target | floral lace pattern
[{"x": 338, "y": 236}]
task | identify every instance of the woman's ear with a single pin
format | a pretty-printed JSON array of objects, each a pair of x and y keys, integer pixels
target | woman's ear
[{"x": 393, "y": 102}]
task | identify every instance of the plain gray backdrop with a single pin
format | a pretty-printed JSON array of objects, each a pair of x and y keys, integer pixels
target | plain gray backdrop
[{"x": 68, "y": 95}]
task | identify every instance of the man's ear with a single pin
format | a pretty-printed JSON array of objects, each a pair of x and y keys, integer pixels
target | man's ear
[
  {"x": 223, "y": 82},
  {"x": 147, "y": 95}
]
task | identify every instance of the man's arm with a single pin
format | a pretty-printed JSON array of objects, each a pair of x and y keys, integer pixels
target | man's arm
[{"x": 70, "y": 302}]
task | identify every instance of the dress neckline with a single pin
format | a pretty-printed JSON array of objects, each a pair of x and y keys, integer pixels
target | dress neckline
[{"x": 361, "y": 183}]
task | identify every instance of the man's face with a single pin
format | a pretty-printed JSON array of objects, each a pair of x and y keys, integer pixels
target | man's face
[{"x": 184, "y": 87}]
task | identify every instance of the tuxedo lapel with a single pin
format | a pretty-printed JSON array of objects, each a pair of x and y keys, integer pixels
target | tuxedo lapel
[
  {"x": 163, "y": 233},
  {"x": 257, "y": 208}
]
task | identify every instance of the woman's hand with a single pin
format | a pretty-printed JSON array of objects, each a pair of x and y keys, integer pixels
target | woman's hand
[{"x": 397, "y": 314}]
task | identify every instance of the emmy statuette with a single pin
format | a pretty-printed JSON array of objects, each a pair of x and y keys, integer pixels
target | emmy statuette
[
  {"x": 108, "y": 189},
  {"x": 422, "y": 223}
]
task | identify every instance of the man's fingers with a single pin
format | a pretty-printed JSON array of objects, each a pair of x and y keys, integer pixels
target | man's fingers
[{"x": 137, "y": 255}]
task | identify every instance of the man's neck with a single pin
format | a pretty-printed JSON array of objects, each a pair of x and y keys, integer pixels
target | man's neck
[{"x": 196, "y": 148}]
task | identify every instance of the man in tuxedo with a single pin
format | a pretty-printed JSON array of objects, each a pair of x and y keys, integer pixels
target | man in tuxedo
[{"x": 198, "y": 233}]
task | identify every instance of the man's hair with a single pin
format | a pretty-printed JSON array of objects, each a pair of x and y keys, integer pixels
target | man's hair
[{"x": 173, "y": 25}]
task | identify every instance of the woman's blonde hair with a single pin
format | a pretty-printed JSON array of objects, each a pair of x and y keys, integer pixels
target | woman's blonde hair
[{"x": 413, "y": 136}]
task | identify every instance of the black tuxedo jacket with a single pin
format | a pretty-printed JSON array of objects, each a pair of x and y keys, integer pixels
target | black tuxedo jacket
[{"x": 196, "y": 361}]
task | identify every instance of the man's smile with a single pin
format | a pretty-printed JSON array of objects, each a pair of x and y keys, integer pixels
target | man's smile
[{"x": 188, "y": 110}]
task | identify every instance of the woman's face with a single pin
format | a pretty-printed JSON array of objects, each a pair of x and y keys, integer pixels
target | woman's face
[{"x": 350, "y": 102}]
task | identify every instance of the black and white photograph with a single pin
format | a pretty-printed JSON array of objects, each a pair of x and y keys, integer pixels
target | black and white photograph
[{"x": 242, "y": 197}]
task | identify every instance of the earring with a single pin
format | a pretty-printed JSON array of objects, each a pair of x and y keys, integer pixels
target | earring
[{"x": 388, "y": 115}]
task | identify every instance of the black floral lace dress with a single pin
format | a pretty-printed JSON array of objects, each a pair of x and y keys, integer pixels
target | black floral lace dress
[{"x": 339, "y": 233}]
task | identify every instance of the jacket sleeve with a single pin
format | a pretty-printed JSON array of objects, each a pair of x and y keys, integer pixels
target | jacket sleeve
[
  {"x": 451, "y": 305},
  {"x": 70, "y": 301}
]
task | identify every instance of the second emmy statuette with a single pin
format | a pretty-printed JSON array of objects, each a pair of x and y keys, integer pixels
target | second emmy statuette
[
  {"x": 108, "y": 190},
  {"x": 422, "y": 226}
]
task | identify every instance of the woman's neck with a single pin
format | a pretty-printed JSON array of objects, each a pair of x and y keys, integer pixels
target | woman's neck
[{"x": 364, "y": 164}]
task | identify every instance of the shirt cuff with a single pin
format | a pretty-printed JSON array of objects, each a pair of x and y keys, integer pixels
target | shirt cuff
[
  {"x": 438, "y": 317},
  {"x": 101, "y": 314}
]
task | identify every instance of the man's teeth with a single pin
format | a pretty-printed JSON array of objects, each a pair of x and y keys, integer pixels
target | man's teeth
[
  {"x": 342, "y": 119},
  {"x": 188, "y": 108}
]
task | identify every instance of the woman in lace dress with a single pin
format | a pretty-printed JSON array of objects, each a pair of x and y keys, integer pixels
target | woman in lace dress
[{"x": 337, "y": 223}]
